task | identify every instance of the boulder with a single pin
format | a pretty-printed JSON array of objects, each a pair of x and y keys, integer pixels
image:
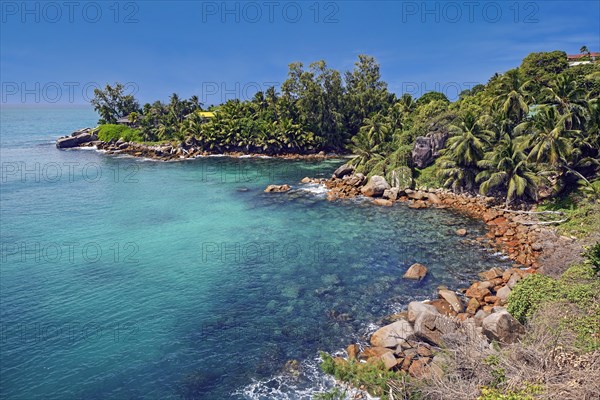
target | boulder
[
  {"x": 418, "y": 368},
  {"x": 393, "y": 334},
  {"x": 514, "y": 278},
  {"x": 356, "y": 179},
  {"x": 491, "y": 274},
  {"x": 427, "y": 147},
  {"x": 375, "y": 187},
  {"x": 503, "y": 294},
  {"x": 461, "y": 232},
  {"x": 453, "y": 299},
  {"x": 343, "y": 170},
  {"x": 391, "y": 194},
  {"x": 432, "y": 327},
  {"x": 416, "y": 272},
  {"x": 75, "y": 140},
  {"x": 502, "y": 327},
  {"x": 415, "y": 308}
]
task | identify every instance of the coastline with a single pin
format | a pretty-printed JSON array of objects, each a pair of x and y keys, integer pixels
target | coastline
[
  {"x": 515, "y": 235},
  {"x": 416, "y": 340}
]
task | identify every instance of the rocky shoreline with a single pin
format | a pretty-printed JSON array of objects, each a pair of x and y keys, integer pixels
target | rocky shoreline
[
  {"x": 415, "y": 341},
  {"x": 188, "y": 149}
]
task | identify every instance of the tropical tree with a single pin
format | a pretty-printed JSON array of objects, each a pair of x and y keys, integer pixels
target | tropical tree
[
  {"x": 564, "y": 93},
  {"x": 464, "y": 150},
  {"x": 513, "y": 96},
  {"x": 506, "y": 169}
]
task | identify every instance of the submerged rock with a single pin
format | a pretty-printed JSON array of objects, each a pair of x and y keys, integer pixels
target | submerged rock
[{"x": 277, "y": 188}]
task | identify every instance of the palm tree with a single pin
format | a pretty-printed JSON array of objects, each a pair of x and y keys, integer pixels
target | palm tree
[
  {"x": 506, "y": 168},
  {"x": 513, "y": 96},
  {"x": 548, "y": 140},
  {"x": 464, "y": 150},
  {"x": 584, "y": 50},
  {"x": 564, "y": 93}
]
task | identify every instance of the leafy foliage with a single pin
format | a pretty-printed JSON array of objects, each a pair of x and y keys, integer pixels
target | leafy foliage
[
  {"x": 533, "y": 128},
  {"x": 110, "y": 132}
]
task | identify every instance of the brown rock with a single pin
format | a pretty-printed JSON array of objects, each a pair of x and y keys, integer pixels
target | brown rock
[
  {"x": 352, "y": 351},
  {"x": 503, "y": 327},
  {"x": 491, "y": 274},
  {"x": 416, "y": 272},
  {"x": 383, "y": 202},
  {"x": 472, "y": 306},
  {"x": 418, "y": 368},
  {"x": 461, "y": 232},
  {"x": 370, "y": 352},
  {"x": 277, "y": 188},
  {"x": 453, "y": 299}
]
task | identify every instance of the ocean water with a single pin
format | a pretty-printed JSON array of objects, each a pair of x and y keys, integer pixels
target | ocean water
[{"x": 123, "y": 278}]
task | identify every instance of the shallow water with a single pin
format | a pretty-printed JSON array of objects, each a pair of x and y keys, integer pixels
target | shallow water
[{"x": 124, "y": 278}]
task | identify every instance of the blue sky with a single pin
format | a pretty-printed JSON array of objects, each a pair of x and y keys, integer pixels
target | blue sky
[{"x": 53, "y": 53}]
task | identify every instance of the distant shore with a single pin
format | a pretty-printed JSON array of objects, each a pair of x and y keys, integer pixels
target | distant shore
[{"x": 86, "y": 137}]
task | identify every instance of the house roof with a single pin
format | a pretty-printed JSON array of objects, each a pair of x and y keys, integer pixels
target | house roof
[
  {"x": 123, "y": 119},
  {"x": 578, "y": 56}
]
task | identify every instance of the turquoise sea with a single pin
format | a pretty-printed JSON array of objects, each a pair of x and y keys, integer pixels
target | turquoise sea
[{"x": 123, "y": 278}]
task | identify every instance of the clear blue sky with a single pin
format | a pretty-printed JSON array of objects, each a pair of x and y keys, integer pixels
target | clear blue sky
[{"x": 51, "y": 51}]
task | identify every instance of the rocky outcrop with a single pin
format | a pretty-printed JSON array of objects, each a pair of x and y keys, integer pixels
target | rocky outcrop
[
  {"x": 77, "y": 138},
  {"x": 427, "y": 147},
  {"x": 375, "y": 187}
]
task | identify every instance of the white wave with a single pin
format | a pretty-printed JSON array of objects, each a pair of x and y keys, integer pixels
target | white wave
[
  {"x": 314, "y": 188},
  {"x": 310, "y": 382}
]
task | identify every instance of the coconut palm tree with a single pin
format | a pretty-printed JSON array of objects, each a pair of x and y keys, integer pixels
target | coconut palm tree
[
  {"x": 564, "y": 93},
  {"x": 513, "y": 96},
  {"x": 463, "y": 151},
  {"x": 506, "y": 168}
]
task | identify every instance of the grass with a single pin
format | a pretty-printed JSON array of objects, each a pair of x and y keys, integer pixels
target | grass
[{"x": 583, "y": 214}]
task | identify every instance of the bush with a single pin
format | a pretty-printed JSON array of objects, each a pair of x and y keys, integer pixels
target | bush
[
  {"x": 108, "y": 132},
  {"x": 530, "y": 293},
  {"x": 573, "y": 299},
  {"x": 592, "y": 254},
  {"x": 374, "y": 378}
]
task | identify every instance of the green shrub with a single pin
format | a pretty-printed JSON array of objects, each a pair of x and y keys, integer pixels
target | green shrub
[
  {"x": 373, "y": 378},
  {"x": 517, "y": 394},
  {"x": 530, "y": 293},
  {"x": 107, "y": 132},
  {"x": 592, "y": 254},
  {"x": 428, "y": 177},
  {"x": 572, "y": 300}
]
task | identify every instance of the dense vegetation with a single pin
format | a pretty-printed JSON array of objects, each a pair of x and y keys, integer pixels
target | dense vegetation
[{"x": 531, "y": 131}]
